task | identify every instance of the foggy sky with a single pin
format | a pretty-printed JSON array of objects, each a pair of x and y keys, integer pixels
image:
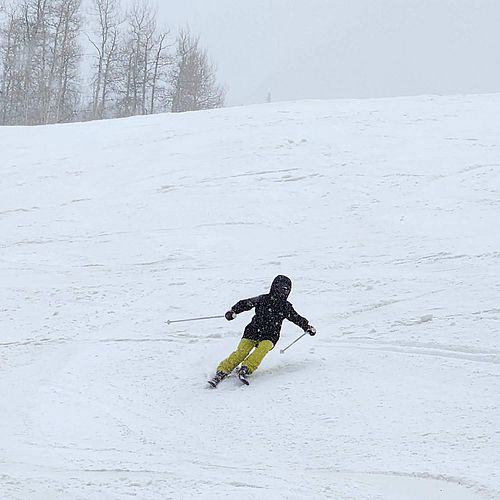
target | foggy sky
[{"x": 298, "y": 49}]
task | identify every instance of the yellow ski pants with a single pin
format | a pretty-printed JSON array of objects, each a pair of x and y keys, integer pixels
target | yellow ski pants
[{"x": 242, "y": 355}]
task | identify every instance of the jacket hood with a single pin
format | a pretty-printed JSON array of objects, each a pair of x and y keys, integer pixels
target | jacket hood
[{"x": 281, "y": 287}]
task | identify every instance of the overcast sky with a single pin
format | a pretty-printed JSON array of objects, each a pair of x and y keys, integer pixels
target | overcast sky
[{"x": 298, "y": 49}]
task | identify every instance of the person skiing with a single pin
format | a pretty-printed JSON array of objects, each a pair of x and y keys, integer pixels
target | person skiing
[{"x": 263, "y": 331}]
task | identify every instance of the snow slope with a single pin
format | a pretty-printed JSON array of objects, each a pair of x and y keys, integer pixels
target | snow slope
[{"x": 385, "y": 214}]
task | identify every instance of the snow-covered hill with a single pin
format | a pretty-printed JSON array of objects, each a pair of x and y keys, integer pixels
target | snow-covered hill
[{"x": 385, "y": 214}]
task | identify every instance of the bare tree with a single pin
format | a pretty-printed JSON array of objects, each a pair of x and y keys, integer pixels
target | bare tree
[
  {"x": 136, "y": 56},
  {"x": 9, "y": 52},
  {"x": 66, "y": 54},
  {"x": 40, "y": 61},
  {"x": 193, "y": 80},
  {"x": 134, "y": 72},
  {"x": 33, "y": 19},
  {"x": 143, "y": 60},
  {"x": 108, "y": 20},
  {"x": 161, "y": 62},
  {"x": 22, "y": 55}
]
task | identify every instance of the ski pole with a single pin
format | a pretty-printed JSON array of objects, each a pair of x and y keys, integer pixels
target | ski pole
[
  {"x": 169, "y": 321},
  {"x": 296, "y": 340}
]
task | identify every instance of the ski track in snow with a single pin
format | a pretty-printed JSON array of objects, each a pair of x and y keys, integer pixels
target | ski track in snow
[{"x": 383, "y": 212}]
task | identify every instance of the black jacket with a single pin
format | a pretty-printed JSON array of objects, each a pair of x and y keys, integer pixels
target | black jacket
[{"x": 270, "y": 311}]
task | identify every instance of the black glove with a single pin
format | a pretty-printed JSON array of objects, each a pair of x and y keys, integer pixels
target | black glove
[
  {"x": 230, "y": 315},
  {"x": 310, "y": 330}
]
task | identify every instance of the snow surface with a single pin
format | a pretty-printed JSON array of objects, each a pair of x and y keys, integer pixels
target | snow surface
[{"x": 385, "y": 214}]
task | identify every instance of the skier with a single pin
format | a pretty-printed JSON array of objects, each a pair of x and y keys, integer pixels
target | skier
[{"x": 262, "y": 333}]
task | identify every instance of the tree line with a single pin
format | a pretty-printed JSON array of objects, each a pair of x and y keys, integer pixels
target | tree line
[{"x": 137, "y": 67}]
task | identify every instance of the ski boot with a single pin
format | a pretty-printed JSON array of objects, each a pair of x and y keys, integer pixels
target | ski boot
[
  {"x": 243, "y": 374},
  {"x": 217, "y": 378}
]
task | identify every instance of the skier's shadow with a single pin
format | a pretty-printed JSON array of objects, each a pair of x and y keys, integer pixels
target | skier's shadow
[{"x": 281, "y": 369}]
